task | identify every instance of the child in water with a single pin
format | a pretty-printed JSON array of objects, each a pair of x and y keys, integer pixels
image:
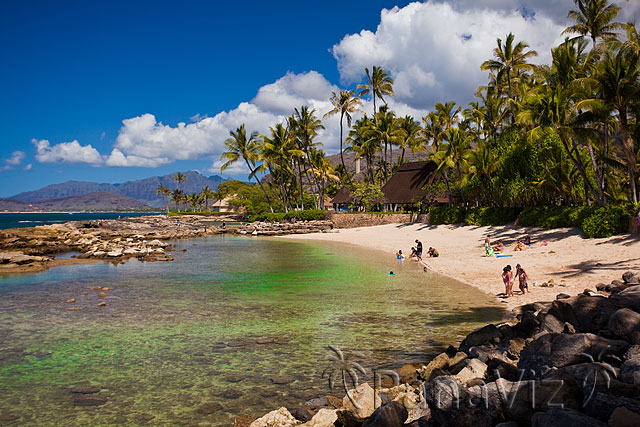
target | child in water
[{"x": 399, "y": 254}]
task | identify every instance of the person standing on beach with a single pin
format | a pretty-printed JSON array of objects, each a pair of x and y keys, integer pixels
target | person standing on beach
[
  {"x": 419, "y": 250},
  {"x": 507, "y": 278},
  {"x": 523, "y": 278}
]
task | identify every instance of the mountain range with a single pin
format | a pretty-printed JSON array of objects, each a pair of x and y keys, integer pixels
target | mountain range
[{"x": 141, "y": 191}]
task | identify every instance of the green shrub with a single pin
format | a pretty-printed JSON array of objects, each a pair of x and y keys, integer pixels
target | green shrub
[
  {"x": 446, "y": 215},
  {"x": 483, "y": 216},
  {"x": 306, "y": 215},
  {"x": 606, "y": 221},
  {"x": 549, "y": 217}
]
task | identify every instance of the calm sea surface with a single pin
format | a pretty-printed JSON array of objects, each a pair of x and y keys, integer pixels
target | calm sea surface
[
  {"x": 219, "y": 326},
  {"x": 31, "y": 219}
]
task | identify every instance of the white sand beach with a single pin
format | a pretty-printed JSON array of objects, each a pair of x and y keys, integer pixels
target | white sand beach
[{"x": 571, "y": 261}]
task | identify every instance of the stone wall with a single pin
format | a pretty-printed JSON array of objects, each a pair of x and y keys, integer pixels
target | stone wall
[{"x": 353, "y": 220}]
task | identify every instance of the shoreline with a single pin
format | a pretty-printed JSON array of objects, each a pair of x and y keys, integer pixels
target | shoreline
[{"x": 568, "y": 263}]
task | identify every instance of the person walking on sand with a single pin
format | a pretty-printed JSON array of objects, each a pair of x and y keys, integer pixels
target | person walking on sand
[
  {"x": 419, "y": 250},
  {"x": 523, "y": 279}
]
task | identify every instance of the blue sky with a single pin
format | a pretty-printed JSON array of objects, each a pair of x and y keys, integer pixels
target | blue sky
[{"x": 73, "y": 71}]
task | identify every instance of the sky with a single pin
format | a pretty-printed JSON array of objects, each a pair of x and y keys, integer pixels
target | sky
[{"x": 111, "y": 91}]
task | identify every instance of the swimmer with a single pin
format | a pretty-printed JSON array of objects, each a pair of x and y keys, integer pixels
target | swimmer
[{"x": 399, "y": 254}]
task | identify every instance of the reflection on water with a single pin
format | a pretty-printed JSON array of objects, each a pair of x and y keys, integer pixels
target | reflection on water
[{"x": 233, "y": 326}]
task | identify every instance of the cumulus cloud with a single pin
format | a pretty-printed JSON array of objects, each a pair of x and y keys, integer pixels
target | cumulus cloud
[
  {"x": 15, "y": 160},
  {"x": 66, "y": 152},
  {"x": 434, "y": 50}
]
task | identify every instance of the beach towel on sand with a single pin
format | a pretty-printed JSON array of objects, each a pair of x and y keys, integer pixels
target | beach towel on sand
[{"x": 488, "y": 250}]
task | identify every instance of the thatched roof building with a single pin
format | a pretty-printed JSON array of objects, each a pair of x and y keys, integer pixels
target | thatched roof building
[{"x": 406, "y": 186}]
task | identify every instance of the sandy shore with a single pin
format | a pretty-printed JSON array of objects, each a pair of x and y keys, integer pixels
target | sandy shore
[{"x": 571, "y": 261}]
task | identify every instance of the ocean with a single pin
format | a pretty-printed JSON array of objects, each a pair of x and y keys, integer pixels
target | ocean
[
  {"x": 31, "y": 219},
  {"x": 233, "y": 326}
]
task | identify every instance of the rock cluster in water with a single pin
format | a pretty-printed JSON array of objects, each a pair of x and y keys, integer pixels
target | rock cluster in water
[
  {"x": 141, "y": 237},
  {"x": 574, "y": 361},
  {"x": 282, "y": 228}
]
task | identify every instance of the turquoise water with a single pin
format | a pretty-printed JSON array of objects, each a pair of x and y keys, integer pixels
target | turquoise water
[
  {"x": 216, "y": 329},
  {"x": 31, "y": 219}
]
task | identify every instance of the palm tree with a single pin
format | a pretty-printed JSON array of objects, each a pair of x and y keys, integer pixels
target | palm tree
[
  {"x": 411, "y": 138},
  {"x": 387, "y": 132},
  {"x": 179, "y": 178},
  {"x": 344, "y": 104},
  {"x": 618, "y": 88},
  {"x": 247, "y": 149},
  {"x": 509, "y": 59},
  {"x": 379, "y": 84},
  {"x": 595, "y": 19},
  {"x": 164, "y": 192},
  {"x": 177, "y": 196},
  {"x": 278, "y": 150},
  {"x": 207, "y": 193},
  {"x": 306, "y": 126},
  {"x": 452, "y": 155}
]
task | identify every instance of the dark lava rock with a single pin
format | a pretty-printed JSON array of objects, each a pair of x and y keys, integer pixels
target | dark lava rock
[
  {"x": 243, "y": 421},
  {"x": 625, "y": 323},
  {"x": 234, "y": 379},
  {"x": 602, "y": 405},
  {"x": 631, "y": 278},
  {"x": 282, "y": 380},
  {"x": 536, "y": 355},
  {"x": 301, "y": 414},
  {"x": 393, "y": 414},
  {"x": 209, "y": 408},
  {"x": 268, "y": 393},
  {"x": 527, "y": 397},
  {"x": 85, "y": 389},
  {"x": 557, "y": 417},
  {"x": 317, "y": 403},
  {"x": 231, "y": 394},
  {"x": 566, "y": 349},
  {"x": 265, "y": 341},
  {"x": 489, "y": 333},
  {"x": 562, "y": 296},
  {"x": 89, "y": 400}
]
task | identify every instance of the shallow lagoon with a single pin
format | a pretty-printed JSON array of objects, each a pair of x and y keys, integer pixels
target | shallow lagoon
[{"x": 220, "y": 325}]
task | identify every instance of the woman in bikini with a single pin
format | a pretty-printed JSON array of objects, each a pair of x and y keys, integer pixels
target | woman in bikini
[
  {"x": 507, "y": 278},
  {"x": 523, "y": 278}
]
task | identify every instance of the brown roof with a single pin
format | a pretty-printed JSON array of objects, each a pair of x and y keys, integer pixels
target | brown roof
[
  {"x": 405, "y": 186},
  {"x": 343, "y": 196}
]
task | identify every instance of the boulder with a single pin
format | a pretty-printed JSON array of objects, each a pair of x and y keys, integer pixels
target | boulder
[
  {"x": 622, "y": 417},
  {"x": 559, "y": 417},
  {"x": 593, "y": 312},
  {"x": 358, "y": 405},
  {"x": 569, "y": 349},
  {"x": 412, "y": 399},
  {"x": 488, "y": 333},
  {"x": 473, "y": 369},
  {"x": 302, "y": 414},
  {"x": 323, "y": 418},
  {"x": 536, "y": 356},
  {"x": 551, "y": 323},
  {"x": 629, "y": 298},
  {"x": 631, "y": 278},
  {"x": 393, "y": 414},
  {"x": 443, "y": 393},
  {"x": 630, "y": 371},
  {"x": 625, "y": 323},
  {"x": 527, "y": 397},
  {"x": 515, "y": 347},
  {"x": 278, "y": 418},
  {"x": 441, "y": 361},
  {"x": 602, "y": 405}
]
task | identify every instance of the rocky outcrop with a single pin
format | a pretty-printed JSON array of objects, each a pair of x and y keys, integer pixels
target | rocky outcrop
[
  {"x": 574, "y": 361},
  {"x": 282, "y": 228},
  {"x": 144, "y": 238}
]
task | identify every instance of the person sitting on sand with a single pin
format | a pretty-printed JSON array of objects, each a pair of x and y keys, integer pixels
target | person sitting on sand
[
  {"x": 413, "y": 252},
  {"x": 498, "y": 246},
  {"x": 399, "y": 254},
  {"x": 419, "y": 250},
  {"x": 527, "y": 240},
  {"x": 488, "y": 250},
  {"x": 507, "y": 278},
  {"x": 523, "y": 278},
  {"x": 519, "y": 246},
  {"x": 433, "y": 253}
]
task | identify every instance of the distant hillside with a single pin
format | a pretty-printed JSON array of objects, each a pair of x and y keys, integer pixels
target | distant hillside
[
  {"x": 143, "y": 190},
  {"x": 14, "y": 206},
  {"x": 99, "y": 201}
]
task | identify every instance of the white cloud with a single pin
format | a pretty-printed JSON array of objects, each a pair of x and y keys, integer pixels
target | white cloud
[
  {"x": 434, "y": 50},
  {"x": 28, "y": 167},
  {"x": 66, "y": 152},
  {"x": 16, "y": 158},
  {"x": 238, "y": 168}
]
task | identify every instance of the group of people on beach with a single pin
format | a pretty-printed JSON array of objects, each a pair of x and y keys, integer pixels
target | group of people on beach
[
  {"x": 508, "y": 277},
  {"x": 416, "y": 252},
  {"x": 499, "y": 246}
]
